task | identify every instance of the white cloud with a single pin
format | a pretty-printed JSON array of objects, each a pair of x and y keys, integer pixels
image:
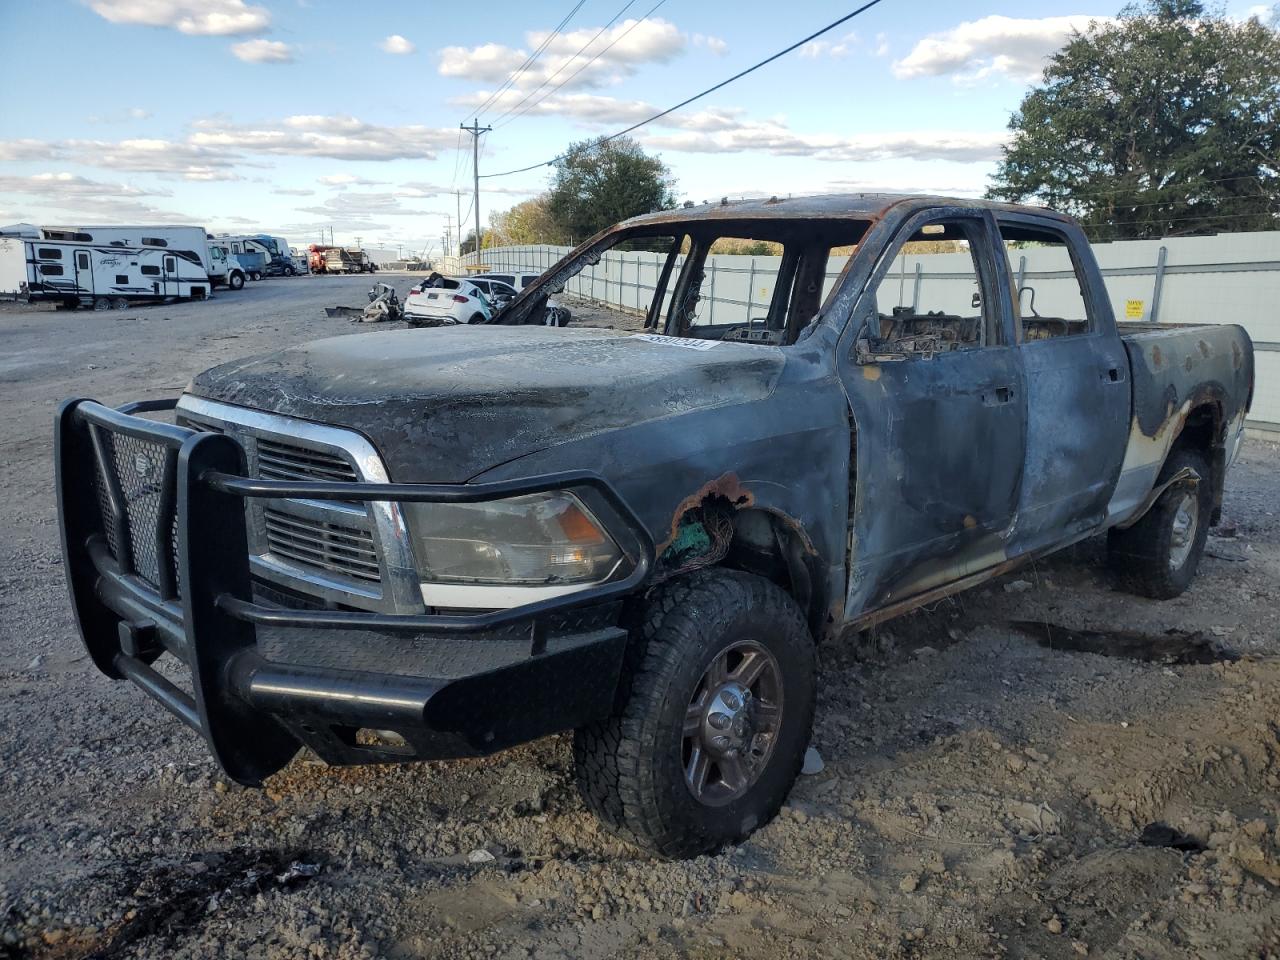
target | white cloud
[
  {"x": 293, "y": 192},
  {"x": 216, "y": 149},
  {"x": 335, "y": 137},
  {"x": 263, "y": 51},
  {"x": 621, "y": 49},
  {"x": 977, "y": 49},
  {"x": 716, "y": 45},
  {"x": 774, "y": 137},
  {"x": 27, "y": 149},
  {"x": 88, "y": 199},
  {"x": 397, "y": 44},
  {"x": 349, "y": 180},
  {"x": 122, "y": 116},
  {"x": 350, "y": 204},
  {"x": 842, "y": 47},
  {"x": 218, "y": 18}
]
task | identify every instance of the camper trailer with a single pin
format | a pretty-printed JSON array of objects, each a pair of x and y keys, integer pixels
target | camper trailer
[
  {"x": 101, "y": 275},
  {"x": 186, "y": 242},
  {"x": 278, "y": 257}
]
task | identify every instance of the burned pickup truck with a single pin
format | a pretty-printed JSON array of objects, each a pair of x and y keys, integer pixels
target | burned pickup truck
[{"x": 414, "y": 545}]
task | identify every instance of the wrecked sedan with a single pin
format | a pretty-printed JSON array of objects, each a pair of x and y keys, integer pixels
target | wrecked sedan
[{"x": 411, "y": 545}]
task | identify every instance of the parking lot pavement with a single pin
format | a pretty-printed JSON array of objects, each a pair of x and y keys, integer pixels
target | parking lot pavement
[{"x": 989, "y": 789}]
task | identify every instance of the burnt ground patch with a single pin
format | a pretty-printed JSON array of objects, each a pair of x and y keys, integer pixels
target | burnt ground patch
[{"x": 1167, "y": 647}]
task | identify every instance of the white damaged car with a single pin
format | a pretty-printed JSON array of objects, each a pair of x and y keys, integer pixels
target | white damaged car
[{"x": 441, "y": 301}]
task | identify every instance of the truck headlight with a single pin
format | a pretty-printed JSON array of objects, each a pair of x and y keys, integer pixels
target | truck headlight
[{"x": 541, "y": 538}]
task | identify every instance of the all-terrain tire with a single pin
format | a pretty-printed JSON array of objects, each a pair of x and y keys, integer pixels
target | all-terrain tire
[
  {"x": 1158, "y": 556},
  {"x": 630, "y": 767}
]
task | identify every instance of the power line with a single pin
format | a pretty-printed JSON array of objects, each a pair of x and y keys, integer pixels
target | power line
[
  {"x": 698, "y": 96},
  {"x": 532, "y": 93},
  {"x": 529, "y": 60}
]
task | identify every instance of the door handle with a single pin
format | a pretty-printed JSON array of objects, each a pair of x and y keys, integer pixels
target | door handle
[
  {"x": 1113, "y": 375},
  {"x": 995, "y": 396}
]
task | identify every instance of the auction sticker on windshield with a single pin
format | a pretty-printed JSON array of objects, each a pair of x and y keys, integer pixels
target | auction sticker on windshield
[{"x": 688, "y": 344}]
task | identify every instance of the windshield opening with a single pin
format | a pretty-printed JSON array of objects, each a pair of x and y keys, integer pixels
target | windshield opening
[{"x": 754, "y": 280}]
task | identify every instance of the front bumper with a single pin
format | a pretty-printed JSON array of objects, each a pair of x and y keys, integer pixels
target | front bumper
[{"x": 152, "y": 518}]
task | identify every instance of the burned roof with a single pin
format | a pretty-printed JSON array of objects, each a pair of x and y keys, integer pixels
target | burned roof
[{"x": 835, "y": 206}]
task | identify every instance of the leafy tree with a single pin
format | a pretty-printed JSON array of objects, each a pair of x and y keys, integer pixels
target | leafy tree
[
  {"x": 525, "y": 223},
  {"x": 1162, "y": 123},
  {"x": 597, "y": 184}
]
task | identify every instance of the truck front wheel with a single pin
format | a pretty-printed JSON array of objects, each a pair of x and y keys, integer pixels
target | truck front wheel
[
  {"x": 1158, "y": 556},
  {"x": 235, "y": 281},
  {"x": 715, "y": 713}
]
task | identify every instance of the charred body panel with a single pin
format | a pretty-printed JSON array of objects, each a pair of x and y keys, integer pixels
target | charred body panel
[
  {"x": 1197, "y": 378},
  {"x": 783, "y": 453},
  {"x": 445, "y": 405}
]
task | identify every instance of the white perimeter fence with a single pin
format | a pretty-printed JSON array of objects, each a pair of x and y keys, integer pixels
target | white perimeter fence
[{"x": 1228, "y": 278}]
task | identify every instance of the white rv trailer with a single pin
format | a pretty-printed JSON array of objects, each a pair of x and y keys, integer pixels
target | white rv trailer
[
  {"x": 101, "y": 275},
  {"x": 184, "y": 241},
  {"x": 276, "y": 249}
]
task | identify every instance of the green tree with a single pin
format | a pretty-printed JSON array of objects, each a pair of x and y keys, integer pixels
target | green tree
[
  {"x": 597, "y": 184},
  {"x": 1164, "y": 122},
  {"x": 525, "y": 223}
]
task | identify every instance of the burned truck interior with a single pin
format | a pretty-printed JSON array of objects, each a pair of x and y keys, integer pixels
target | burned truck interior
[{"x": 781, "y": 299}]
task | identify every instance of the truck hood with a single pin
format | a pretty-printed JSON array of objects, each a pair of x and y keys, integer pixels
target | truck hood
[{"x": 443, "y": 405}]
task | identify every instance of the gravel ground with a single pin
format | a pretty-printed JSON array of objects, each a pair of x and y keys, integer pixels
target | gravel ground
[{"x": 984, "y": 794}]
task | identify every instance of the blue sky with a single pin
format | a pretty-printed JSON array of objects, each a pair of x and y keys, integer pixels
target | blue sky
[{"x": 293, "y": 116}]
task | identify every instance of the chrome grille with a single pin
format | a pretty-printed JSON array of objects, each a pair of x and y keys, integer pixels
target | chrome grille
[
  {"x": 354, "y": 553},
  {"x": 284, "y": 461},
  {"x": 335, "y": 547}
]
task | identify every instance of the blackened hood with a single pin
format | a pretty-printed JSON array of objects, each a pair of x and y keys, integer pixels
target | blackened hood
[{"x": 445, "y": 404}]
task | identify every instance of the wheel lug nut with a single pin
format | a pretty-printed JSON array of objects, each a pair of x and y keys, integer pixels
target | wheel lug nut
[
  {"x": 719, "y": 720},
  {"x": 730, "y": 701},
  {"x": 720, "y": 742}
]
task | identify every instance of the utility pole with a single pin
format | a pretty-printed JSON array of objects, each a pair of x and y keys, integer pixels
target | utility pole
[
  {"x": 458, "y": 196},
  {"x": 357, "y": 243},
  {"x": 448, "y": 234},
  {"x": 475, "y": 130}
]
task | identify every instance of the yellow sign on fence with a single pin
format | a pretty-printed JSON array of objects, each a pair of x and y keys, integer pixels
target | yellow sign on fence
[{"x": 1133, "y": 309}]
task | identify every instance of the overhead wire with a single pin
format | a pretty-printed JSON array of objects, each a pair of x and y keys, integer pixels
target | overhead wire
[
  {"x": 529, "y": 60},
  {"x": 532, "y": 93},
  {"x": 698, "y": 96}
]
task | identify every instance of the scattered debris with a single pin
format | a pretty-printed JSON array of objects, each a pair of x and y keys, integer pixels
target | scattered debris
[
  {"x": 480, "y": 855},
  {"x": 1017, "y": 586},
  {"x": 813, "y": 763}
]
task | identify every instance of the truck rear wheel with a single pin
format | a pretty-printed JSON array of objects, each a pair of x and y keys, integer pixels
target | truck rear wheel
[
  {"x": 1158, "y": 556},
  {"x": 712, "y": 723}
]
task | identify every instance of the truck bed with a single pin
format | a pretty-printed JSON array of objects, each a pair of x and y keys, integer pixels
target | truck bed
[{"x": 1180, "y": 371}]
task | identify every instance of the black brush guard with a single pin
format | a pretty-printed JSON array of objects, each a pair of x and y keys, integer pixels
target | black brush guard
[{"x": 154, "y": 541}]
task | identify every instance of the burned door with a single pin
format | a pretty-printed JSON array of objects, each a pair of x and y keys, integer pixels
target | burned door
[
  {"x": 936, "y": 387},
  {"x": 1078, "y": 393}
]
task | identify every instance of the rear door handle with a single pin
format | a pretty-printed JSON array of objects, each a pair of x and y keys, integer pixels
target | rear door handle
[
  {"x": 995, "y": 396},
  {"x": 1113, "y": 375}
]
